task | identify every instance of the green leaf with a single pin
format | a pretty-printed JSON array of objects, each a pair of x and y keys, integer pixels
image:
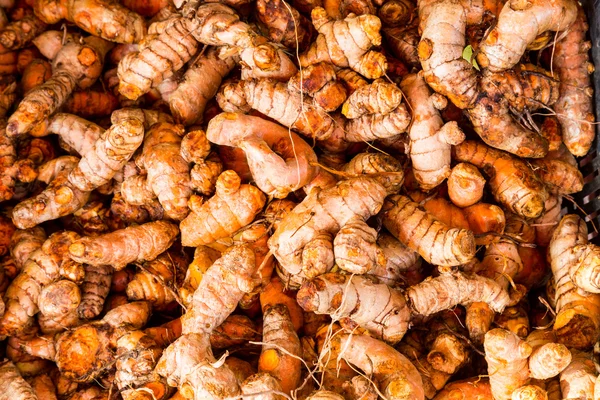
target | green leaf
[{"x": 468, "y": 55}]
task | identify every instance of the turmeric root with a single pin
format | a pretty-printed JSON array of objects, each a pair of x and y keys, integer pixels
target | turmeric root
[
  {"x": 465, "y": 185},
  {"x": 440, "y": 51},
  {"x": 261, "y": 383},
  {"x": 232, "y": 207},
  {"x": 434, "y": 241},
  {"x": 320, "y": 82},
  {"x": 13, "y": 385},
  {"x": 41, "y": 269},
  {"x": 275, "y": 293},
  {"x": 559, "y": 172},
  {"x": 186, "y": 361},
  {"x": 430, "y": 138},
  {"x": 75, "y": 132},
  {"x": 199, "y": 84},
  {"x": 284, "y": 24},
  {"x": 379, "y": 97},
  {"x": 281, "y": 353},
  {"x": 576, "y": 323},
  {"x": 18, "y": 34},
  {"x": 74, "y": 65},
  {"x": 167, "y": 172},
  {"x": 512, "y": 182},
  {"x": 269, "y": 147},
  {"x": 235, "y": 330},
  {"x": 24, "y": 242},
  {"x": 475, "y": 388},
  {"x": 326, "y": 211},
  {"x": 522, "y": 89},
  {"x": 36, "y": 73},
  {"x": 204, "y": 257},
  {"x": 158, "y": 280},
  {"x": 106, "y": 19},
  {"x": 94, "y": 290},
  {"x": 547, "y": 359},
  {"x": 506, "y": 356},
  {"x": 397, "y": 376},
  {"x": 402, "y": 42},
  {"x": 119, "y": 248},
  {"x": 578, "y": 379},
  {"x": 574, "y": 105},
  {"x": 43, "y": 387},
  {"x": 136, "y": 358},
  {"x": 331, "y": 46},
  {"x": 519, "y": 23},
  {"x": 91, "y": 103},
  {"x": 111, "y": 151}
]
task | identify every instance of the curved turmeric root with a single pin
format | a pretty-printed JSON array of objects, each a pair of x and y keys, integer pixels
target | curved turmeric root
[
  {"x": 75, "y": 65},
  {"x": 106, "y": 19},
  {"x": 397, "y": 376},
  {"x": 331, "y": 44},
  {"x": 420, "y": 231},
  {"x": 577, "y": 321},
  {"x": 325, "y": 212},
  {"x": 40, "y": 270},
  {"x": 119, "y": 248},
  {"x": 376, "y": 307},
  {"x": 232, "y": 207},
  {"x": 278, "y": 334},
  {"x": 513, "y": 183},
  {"x": 574, "y": 107},
  {"x": 430, "y": 138},
  {"x": 519, "y": 23},
  {"x": 59, "y": 198},
  {"x": 506, "y": 356},
  {"x": 559, "y": 172},
  {"x": 167, "y": 172},
  {"x": 199, "y": 84},
  {"x": 111, "y": 151},
  {"x": 443, "y": 25},
  {"x": 280, "y": 161},
  {"x": 18, "y": 34}
]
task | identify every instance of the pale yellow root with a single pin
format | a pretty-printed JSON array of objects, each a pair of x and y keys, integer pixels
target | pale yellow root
[
  {"x": 545, "y": 225},
  {"x": 548, "y": 358},
  {"x": 443, "y": 24},
  {"x": 333, "y": 44},
  {"x": 430, "y": 138},
  {"x": 233, "y": 206},
  {"x": 376, "y": 307},
  {"x": 119, "y": 248},
  {"x": 506, "y": 356},
  {"x": 279, "y": 160},
  {"x": 420, "y": 231},
  {"x": 578, "y": 379},
  {"x": 519, "y": 23},
  {"x": 397, "y": 376},
  {"x": 12, "y": 384},
  {"x": 577, "y": 321}
]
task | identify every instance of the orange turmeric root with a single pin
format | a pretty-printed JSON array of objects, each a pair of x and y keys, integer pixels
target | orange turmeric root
[
  {"x": 577, "y": 323},
  {"x": 106, "y": 19},
  {"x": 278, "y": 335},
  {"x": 44, "y": 100},
  {"x": 513, "y": 183},
  {"x": 91, "y": 103},
  {"x": 574, "y": 105},
  {"x": 232, "y": 207},
  {"x": 18, "y": 34},
  {"x": 279, "y": 160},
  {"x": 119, "y": 248}
]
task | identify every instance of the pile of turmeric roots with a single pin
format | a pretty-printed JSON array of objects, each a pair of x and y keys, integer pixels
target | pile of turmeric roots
[{"x": 314, "y": 199}]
